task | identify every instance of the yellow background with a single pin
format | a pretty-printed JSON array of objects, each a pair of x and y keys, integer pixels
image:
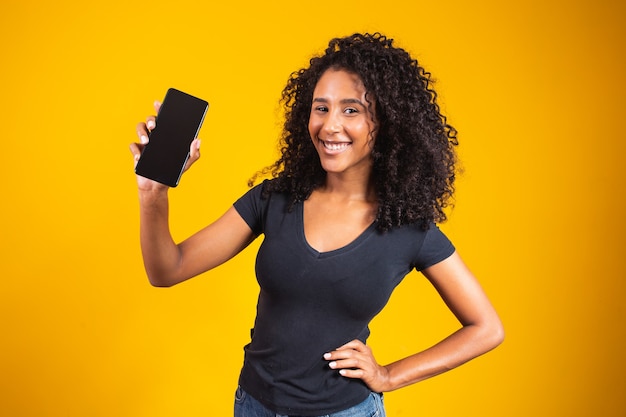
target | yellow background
[{"x": 535, "y": 89}]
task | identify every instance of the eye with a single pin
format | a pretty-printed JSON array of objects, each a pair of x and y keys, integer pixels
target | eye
[
  {"x": 351, "y": 110},
  {"x": 322, "y": 109}
]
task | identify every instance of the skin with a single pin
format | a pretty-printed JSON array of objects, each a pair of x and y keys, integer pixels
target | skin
[
  {"x": 166, "y": 262},
  {"x": 341, "y": 126}
]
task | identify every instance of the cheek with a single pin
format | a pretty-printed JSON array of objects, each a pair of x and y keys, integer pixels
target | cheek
[
  {"x": 314, "y": 128},
  {"x": 361, "y": 131}
]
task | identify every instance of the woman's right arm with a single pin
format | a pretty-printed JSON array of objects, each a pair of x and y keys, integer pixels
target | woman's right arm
[{"x": 166, "y": 262}]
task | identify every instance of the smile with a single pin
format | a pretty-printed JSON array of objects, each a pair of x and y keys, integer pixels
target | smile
[{"x": 335, "y": 146}]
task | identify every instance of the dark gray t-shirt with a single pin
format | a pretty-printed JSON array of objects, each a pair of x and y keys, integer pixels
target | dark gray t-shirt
[{"x": 311, "y": 303}]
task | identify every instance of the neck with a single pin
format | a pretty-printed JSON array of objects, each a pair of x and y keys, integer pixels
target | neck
[{"x": 349, "y": 188}]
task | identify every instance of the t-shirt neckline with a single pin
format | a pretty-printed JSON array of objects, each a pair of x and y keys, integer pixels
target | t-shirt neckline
[{"x": 317, "y": 254}]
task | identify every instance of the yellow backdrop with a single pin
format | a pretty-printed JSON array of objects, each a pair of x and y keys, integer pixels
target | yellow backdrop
[{"x": 535, "y": 89}]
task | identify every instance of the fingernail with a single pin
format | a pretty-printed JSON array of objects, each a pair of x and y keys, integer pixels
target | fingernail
[
  {"x": 327, "y": 355},
  {"x": 199, "y": 142},
  {"x": 150, "y": 124},
  {"x": 332, "y": 364},
  {"x": 342, "y": 372},
  {"x": 144, "y": 139}
]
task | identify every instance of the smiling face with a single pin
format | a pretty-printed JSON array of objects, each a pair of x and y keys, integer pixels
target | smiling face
[{"x": 341, "y": 124}]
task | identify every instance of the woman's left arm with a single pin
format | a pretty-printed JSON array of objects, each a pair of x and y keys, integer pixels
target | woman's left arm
[{"x": 481, "y": 331}]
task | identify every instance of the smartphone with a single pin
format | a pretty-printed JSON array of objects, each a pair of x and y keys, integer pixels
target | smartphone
[{"x": 177, "y": 125}]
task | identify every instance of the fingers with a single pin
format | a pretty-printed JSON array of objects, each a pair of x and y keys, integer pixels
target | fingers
[
  {"x": 350, "y": 358},
  {"x": 136, "y": 151},
  {"x": 194, "y": 153},
  {"x": 144, "y": 129},
  {"x": 356, "y": 360},
  {"x": 143, "y": 133},
  {"x": 355, "y": 344}
]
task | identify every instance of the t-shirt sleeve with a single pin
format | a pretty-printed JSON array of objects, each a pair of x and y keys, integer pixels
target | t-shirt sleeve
[
  {"x": 251, "y": 207},
  {"x": 435, "y": 248}
]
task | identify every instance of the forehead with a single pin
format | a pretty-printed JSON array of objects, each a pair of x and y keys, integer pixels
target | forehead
[{"x": 339, "y": 81}]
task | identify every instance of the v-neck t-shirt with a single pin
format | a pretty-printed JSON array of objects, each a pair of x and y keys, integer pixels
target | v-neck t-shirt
[{"x": 313, "y": 302}]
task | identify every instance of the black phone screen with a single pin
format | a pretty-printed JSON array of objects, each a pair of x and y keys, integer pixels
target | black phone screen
[{"x": 177, "y": 124}]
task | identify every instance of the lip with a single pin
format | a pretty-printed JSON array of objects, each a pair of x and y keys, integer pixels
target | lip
[{"x": 334, "y": 147}]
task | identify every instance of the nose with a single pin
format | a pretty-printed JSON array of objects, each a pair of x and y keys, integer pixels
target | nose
[{"x": 332, "y": 124}]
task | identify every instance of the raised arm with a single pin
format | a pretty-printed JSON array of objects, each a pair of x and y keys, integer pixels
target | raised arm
[{"x": 166, "y": 262}]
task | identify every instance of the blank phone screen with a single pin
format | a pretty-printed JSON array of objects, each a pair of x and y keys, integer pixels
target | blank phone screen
[{"x": 177, "y": 125}]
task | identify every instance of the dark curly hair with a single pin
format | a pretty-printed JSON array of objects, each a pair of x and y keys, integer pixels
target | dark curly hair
[{"x": 413, "y": 157}]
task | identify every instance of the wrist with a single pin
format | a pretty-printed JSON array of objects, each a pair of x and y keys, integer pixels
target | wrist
[
  {"x": 153, "y": 193},
  {"x": 387, "y": 384}
]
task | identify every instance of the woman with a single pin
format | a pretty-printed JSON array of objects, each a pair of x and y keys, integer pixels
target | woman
[{"x": 366, "y": 171}]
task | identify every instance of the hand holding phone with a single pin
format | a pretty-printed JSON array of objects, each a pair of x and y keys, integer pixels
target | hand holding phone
[{"x": 178, "y": 122}]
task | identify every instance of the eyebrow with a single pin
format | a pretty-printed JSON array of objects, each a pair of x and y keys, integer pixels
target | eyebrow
[{"x": 344, "y": 101}]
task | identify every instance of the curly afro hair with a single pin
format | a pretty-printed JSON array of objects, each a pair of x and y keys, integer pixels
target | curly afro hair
[{"x": 414, "y": 158}]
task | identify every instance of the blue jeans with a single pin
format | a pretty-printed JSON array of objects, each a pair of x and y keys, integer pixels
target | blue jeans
[{"x": 246, "y": 406}]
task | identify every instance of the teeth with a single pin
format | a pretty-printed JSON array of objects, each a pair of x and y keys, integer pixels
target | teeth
[{"x": 337, "y": 146}]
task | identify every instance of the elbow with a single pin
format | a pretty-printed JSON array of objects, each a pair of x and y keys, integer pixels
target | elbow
[
  {"x": 488, "y": 335},
  {"x": 160, "y": 282},
  {"x": 163, "y": 278},
  {"x": 499, "y": 337},
  {"x": 495, "y": 336}
]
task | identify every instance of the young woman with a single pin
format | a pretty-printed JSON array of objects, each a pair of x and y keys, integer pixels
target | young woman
[{"x": 366, "y": 171}]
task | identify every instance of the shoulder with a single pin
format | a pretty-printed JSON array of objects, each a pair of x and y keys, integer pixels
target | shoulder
[
  {"x": 257, "y": 203},
  {"x": 258, "y": 192},
  {"x": 429, "y": 245}
]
